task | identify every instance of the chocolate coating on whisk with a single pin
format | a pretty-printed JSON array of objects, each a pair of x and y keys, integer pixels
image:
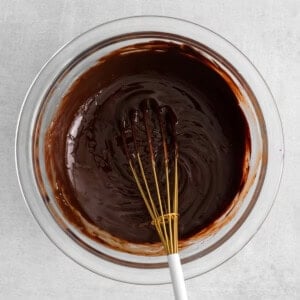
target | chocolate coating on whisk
[{"x": 85, "y": 158}]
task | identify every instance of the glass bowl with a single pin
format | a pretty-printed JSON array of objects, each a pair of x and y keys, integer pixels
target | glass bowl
[{"x": 250, "y": 207}]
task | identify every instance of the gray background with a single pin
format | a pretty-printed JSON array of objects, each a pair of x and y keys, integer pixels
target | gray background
[{"x": 268, "y": 32}]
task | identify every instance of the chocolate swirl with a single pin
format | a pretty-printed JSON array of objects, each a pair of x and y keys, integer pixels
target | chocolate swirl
[{"x": 84, "y": 147}]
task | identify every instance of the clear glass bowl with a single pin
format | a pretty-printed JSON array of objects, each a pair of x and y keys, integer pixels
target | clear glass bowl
[{"x": 250, "y": 207}]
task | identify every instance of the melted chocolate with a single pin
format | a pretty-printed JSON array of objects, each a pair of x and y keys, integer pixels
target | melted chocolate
[{"x": 86, "y": 163}]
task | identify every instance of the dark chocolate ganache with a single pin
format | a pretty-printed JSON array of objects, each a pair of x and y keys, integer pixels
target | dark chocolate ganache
[{"x": 85, "y": 160}]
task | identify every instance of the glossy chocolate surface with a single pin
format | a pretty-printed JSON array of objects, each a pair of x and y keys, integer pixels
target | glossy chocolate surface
[{"x": 85, "y": 160}]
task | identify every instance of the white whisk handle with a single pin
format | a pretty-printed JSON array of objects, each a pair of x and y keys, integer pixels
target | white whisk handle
[{"x": 177, "y": 277}]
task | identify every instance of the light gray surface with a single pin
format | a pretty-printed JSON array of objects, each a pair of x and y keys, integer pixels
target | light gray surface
[{"x": 268, "y": 32}]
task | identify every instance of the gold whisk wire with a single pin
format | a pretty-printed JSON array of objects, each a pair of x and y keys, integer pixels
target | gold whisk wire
[
  {"x": 164, "y": 211},
  {"x": 165, "y": 216}
]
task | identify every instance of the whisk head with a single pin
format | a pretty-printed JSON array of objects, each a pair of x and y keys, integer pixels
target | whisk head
[{"x": 150, "y": 145}]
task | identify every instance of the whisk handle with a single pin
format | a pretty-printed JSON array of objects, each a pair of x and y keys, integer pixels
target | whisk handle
[{"x": 177, "y": 277}]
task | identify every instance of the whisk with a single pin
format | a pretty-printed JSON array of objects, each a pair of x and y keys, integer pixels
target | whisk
[{"x": 150, "y": 145}]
